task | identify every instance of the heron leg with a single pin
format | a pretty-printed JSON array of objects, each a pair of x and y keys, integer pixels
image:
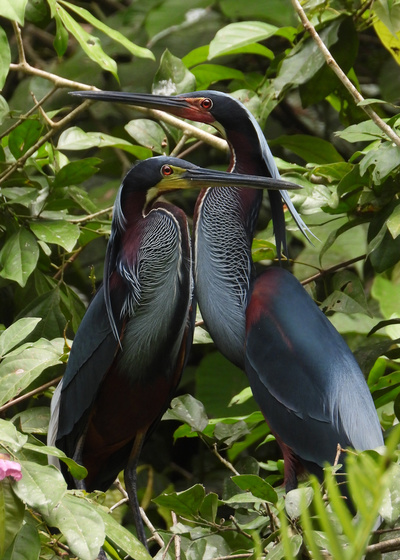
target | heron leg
[{"x": 130, "y": 475}]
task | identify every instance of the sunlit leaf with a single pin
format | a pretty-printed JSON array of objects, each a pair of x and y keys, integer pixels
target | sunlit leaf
[
  {"x": 17, "y": 333},
  {"x": 41, "y": 486},
  {"x": 81, "y": 525},
  {"x": 114, "y": 34},
  {"x": 122, "y": 537},
  {"x": 257, "y": 486},
  {"x": 26, "y": 545},
  {"x": 149, "y": 134},
  {"x": 11, "y": 437},
  {"x": 172, "y": 76},
  {"x": 89, "y": 43},
  {"x": 241, "y": 34},
  {"x": 14, "y": 10},
  {"x": 58, "y": 232},
  {"x": 5, "y": 58},
  {"x": 19, "y": 256},
  {"x": 189, "y": 410}
]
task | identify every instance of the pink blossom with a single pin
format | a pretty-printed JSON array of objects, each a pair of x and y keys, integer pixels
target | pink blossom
[{"x": 10, "y": 468}]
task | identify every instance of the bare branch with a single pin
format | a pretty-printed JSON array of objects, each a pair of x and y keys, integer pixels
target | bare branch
[
  {"x": 384, "y": 546},
  {"x": 30, "y": 394}
]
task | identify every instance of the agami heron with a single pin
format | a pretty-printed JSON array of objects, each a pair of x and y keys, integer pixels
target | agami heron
[
  {"x": 130, "y": 349},
  {"x": 302, "y": 373}
]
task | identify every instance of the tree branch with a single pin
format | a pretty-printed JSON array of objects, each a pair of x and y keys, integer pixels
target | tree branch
[{"x": 331, "y": 62}]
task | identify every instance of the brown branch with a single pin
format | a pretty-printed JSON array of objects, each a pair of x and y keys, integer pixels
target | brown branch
[
  {"x": 333, "y": 268},
  {"x": 384, "y": 546},
  {"x": 331, "y": 62},
  {"x": 177, "y": 538},
  {"x": 30, "y": 394},
  {"x": 224, "y": 461}
]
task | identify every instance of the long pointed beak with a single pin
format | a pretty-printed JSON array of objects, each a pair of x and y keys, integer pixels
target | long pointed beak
[
  {"x": 199, "y": 177},
  {"x": 171, "y": 104}
]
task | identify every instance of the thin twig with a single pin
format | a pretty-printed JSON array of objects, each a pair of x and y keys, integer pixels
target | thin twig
[
  {"x": 224, "y": 461},
  {"x": 331, "y": 62},
  {"x": 233, "y": 556},
  {"x": 177, "y": 538},
  {"x": 148, "y": 523},
  {"x": 333, "y": 268},
  {"x": 238, "y": 528},
  {"x": 30, "y": 394},
  {"x": 89, "y": 217},
  {"x": 20, "y": 45}
]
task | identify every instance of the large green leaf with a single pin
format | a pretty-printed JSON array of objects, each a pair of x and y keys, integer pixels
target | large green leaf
[
  {"x": 257, "y": 486},
  {"x": 80, "y": 524},
  {"x": 24, "y": 137},
  {"x": 207, "y": 74},
  {"x": 310, "y": 148},
  {"x": 237, "y": 35},
  {"x": 59, "y": 232},
  {"x": 186, "y": 503},
  {"x": 5, "y": 57},
  {"x": 149, "y": 134},
  {"x": 89, "y": 43},
  {"x": 41, "y": 487},
  {"x": 189, "y": 410},
  {"x": 16, "y": 333},
  {"x": 26, "y": 545},
  {"x": 115, "y": 35},
  {"x": 19, "y": 256},
  {"x": 172, "y": 76},
  {"x": 11, "y": 515},
  {"x": 76, "y": 139},
  {"x": 76, "y": 172},
  {"x": 122, "y": 537},
  {"x": 306, "y": 59},
  {"x": 14, "y": 10},
  {"x": 10, "y": 437},
  {"x": 24, "y": 365}
]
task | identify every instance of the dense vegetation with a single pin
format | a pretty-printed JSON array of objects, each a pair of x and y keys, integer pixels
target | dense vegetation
[{"x": 210, "y": 479}]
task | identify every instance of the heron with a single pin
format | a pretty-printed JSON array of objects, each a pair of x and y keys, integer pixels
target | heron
[
  {"x": 303, "y": 375},
  {"x": 133, "y": 342}
]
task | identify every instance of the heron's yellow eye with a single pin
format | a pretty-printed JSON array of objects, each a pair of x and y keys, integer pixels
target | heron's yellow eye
[
  {"x": 167, "y": 170},
  {"x": 206, "y": 103}
]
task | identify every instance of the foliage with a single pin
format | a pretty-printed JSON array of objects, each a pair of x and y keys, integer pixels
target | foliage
[{"x": 216, "y": 491}]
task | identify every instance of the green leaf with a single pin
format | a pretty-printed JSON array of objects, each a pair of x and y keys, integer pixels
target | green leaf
[
  {"x": 61, "y": 37},
  {"x": 15, "y": 10},
  {"x": 34, "y": 420},
  {"x": 21, "y": 367},
  {"x": 48, "y": 306},
  {"x": 296, "y": 499},
  {"x": 11, "y": 515},
  {"x": 366, "y": 131},
  {"x": 80, "y": 524},
  {"x": 115, "y": 35},
  {"x": 41, "y": 487},
  {"x": 19, "y": 256},
  {"x": 76, "y": 172},
  {"x": 388, "y": 11},
  {"x": 59, "y": 232},
  {"x": 186, "y": 503},
  {"x": 76, "y": 139},
  {"x": 209, "y": 507},
  {"x": 4, "y": 110},
  {"x": 23, "y": 137},
  {"x": 5, "y": 58},
  {"x": 122, "y": 537},
  {"x": 393, "y": 223},
  {"x": 149, "y": 134},
  {"x": 237, "y": 35},
  {"x": 257, "y": 486},
  {"x": 78, "y": 471},
  {"x": 310, "y": 148},
  {"x": 229, "y": 433},
  {"x": 17, "y": 333},
  {"x": 10, "y": 437},
  {"x": 89, "y": 43},
  {"x": 306, "y": 59},
  {"x": 189, "y": 410},
  {"x": 172, "y": 76},
  {"x": 207, "y": 74},
  {"x": 384, "y": 160},
  {"x": 26, "y": 546}
]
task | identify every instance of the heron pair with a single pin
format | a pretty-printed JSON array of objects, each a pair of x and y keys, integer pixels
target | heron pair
[{"x": 303, "y": 375}]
